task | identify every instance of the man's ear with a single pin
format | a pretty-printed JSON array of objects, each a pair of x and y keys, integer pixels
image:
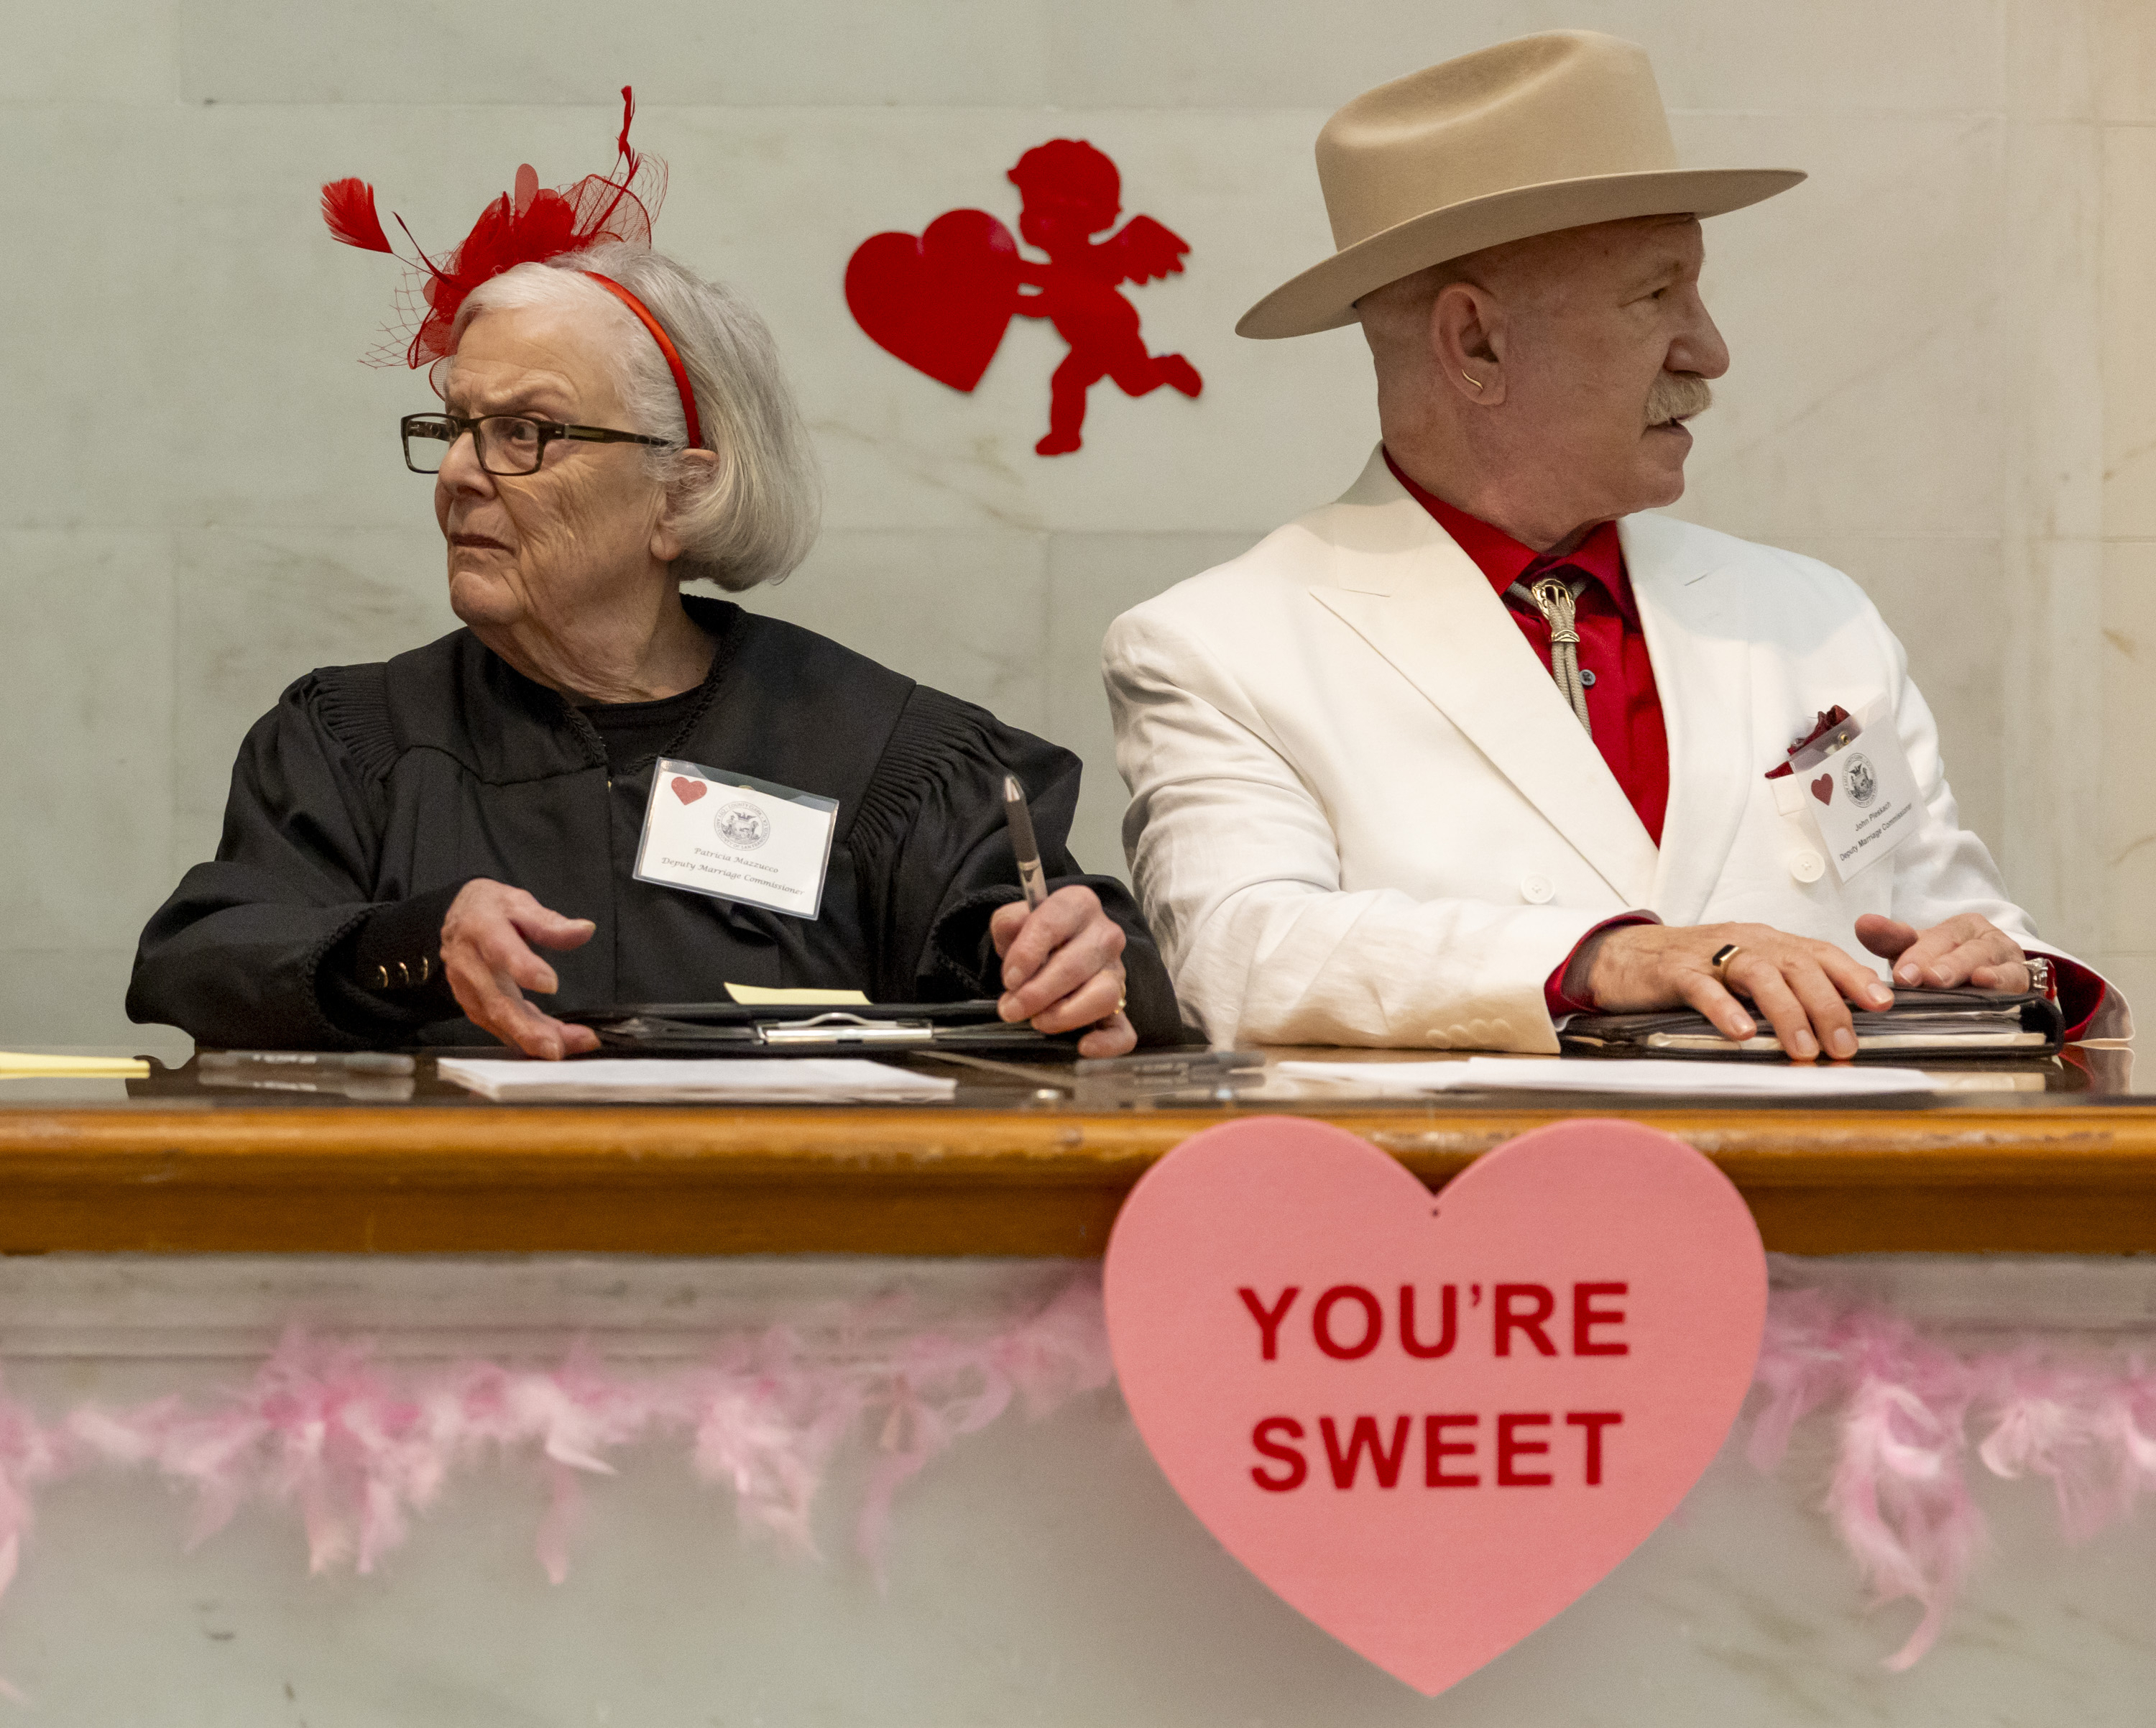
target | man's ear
[
  {"x": 1467, "y": 342},
  {"x": 701, "y": 471}
]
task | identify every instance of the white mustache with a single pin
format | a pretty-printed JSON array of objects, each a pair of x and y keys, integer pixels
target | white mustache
[{"x": 1676, "y": 396}]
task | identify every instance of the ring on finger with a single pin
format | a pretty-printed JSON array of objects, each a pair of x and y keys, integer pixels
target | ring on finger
[{"x": 1720, "y": 960}]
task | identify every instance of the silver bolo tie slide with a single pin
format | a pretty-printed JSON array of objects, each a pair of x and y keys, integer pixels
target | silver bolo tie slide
[{"x": 1557, "y": 601}]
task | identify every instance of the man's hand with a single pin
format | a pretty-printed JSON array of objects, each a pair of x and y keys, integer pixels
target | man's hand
[
  {"x": 486, "y": 955},
  {"x": 1063, "y": 968},
  {"x": 1968, "y": 948},
  {"x": 1803, "y": 987}
]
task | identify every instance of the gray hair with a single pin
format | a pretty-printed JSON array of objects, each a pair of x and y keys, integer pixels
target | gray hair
[{"x": 754, "y": 518}]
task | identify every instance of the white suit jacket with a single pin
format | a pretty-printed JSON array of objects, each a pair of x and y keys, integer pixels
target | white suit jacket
[{"x": 1361, "y": 812}]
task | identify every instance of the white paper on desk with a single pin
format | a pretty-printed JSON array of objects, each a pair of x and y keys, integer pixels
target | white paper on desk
[
  {"x": 1495, "y": 1073},
  {"x": 49, "y": 1065},
  {"x": 752, "y": 1080}
]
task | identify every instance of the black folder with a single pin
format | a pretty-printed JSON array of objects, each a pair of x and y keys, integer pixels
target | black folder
[
  {"x": 1923, "y": 1025},
  {"x": 816, "y": 1029}
]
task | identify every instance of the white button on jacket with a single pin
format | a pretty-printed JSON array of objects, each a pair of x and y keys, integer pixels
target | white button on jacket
[{"x": 1536, "y": 890}]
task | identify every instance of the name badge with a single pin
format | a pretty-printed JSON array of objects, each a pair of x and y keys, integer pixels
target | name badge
[
  {"x": 1862, "y": 795},
  {"x": 736, "y": 838}
]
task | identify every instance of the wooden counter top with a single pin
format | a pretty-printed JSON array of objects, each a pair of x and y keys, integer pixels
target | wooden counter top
[{"x": 2039, "y": 1175}]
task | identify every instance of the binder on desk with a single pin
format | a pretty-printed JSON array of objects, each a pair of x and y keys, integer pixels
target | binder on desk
[
  {"x": 771, "y": 1029},
  {"x": 1940, "y": 1025}
]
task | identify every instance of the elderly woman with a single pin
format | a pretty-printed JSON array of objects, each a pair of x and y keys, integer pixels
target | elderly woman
[{"x": 413, "y": 850}]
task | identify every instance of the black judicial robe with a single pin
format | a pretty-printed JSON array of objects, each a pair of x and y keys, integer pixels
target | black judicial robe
[{"x": 371, "y": 793}]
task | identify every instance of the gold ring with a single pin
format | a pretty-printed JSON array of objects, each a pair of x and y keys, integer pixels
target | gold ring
[
  {"x": 1723, "y": 956},
  {"x": 1122, "y": 996}
]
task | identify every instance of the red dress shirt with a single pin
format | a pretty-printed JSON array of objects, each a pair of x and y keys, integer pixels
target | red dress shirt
[
  {"x": 1621, "y": 697},
  {"x": 1622, "y": 700}
]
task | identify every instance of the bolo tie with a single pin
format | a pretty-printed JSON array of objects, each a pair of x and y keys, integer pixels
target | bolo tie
[{"x": 1557, "y": 600}]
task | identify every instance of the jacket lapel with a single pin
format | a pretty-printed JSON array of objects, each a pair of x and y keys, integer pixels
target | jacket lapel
[
  {"x": 1689, "y": 612},
  {"x": 1399, "y": 582}
]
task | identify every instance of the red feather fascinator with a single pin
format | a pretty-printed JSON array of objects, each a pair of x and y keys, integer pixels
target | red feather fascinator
[{"x": 528, "y": 226}]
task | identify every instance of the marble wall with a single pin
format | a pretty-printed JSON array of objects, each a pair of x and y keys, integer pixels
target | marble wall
[
  {"x": 1039, "y": 1572},
  {"x": 1943, "y": 381}
]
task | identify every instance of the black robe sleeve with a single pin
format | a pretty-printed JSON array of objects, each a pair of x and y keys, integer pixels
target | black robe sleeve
[
  {"x": 253, "y": 949},
  {"x": 935, "y": 860}
]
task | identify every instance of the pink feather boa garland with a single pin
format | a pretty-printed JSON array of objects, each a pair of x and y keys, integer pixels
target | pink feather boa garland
[
  {"x": 1909, "y": 1411},
  {"x": 358, "y": 1450}
]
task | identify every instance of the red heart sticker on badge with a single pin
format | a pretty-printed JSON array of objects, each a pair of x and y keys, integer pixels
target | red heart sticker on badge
[
  {"x": 688, "y": 790},
  {"x": 1823, "y": 788},
  {"x": 1431, "y": 1422}
]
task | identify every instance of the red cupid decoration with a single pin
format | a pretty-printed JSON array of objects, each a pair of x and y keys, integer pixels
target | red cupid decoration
[{"x": 941, "y": 302}]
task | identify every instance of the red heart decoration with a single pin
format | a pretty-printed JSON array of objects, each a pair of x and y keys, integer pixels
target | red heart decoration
[
  {"x": 1429, "y": 1423},
  {"x": 1823, "y": 788},
  {"x": 941, "y": 302},
  {"x": 688, "y": 790}
]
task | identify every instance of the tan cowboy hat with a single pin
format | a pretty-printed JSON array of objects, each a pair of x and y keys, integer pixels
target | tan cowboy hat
[{"x": 1545, "y": 133}]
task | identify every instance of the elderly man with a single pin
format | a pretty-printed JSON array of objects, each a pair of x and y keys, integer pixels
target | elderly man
[{"x": 1481, "y": 745}]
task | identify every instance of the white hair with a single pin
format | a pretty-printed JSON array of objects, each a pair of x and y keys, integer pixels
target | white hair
[{"x": 753, "y": 518}]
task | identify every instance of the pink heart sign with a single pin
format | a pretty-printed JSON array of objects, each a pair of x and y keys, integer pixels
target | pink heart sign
[
  {"x": 1823, "y": 788},
  {"x": 1430, "y": 1421},
  {"x": 686, "y": 789}
]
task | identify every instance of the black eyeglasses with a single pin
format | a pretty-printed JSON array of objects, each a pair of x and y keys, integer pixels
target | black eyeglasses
[{"x": 507, "y": 443}]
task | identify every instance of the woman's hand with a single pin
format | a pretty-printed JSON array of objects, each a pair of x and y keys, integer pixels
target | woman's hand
[
  {"x": 487, "y": 939},
  {"x": 1063, "y": 968}
]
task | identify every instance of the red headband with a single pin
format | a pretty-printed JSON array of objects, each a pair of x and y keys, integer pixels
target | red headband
[
  {"x": 666, "y": 347},
  {"x": 531, "y": 228}
]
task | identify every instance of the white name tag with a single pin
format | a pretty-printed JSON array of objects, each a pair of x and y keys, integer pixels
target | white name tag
[
  {"x": 734, "y": 838},
  {"x": 1863, "y": 795}
]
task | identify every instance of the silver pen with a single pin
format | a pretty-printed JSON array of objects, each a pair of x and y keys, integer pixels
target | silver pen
[
  {"x": 311, "y": 1061},
  {"x": 1027, "y": 848}
]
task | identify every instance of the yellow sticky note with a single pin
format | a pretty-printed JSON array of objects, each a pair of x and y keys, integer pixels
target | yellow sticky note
[
  {"x": 19, "y": 1064},
  {"x": 754, "y": 996}
]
